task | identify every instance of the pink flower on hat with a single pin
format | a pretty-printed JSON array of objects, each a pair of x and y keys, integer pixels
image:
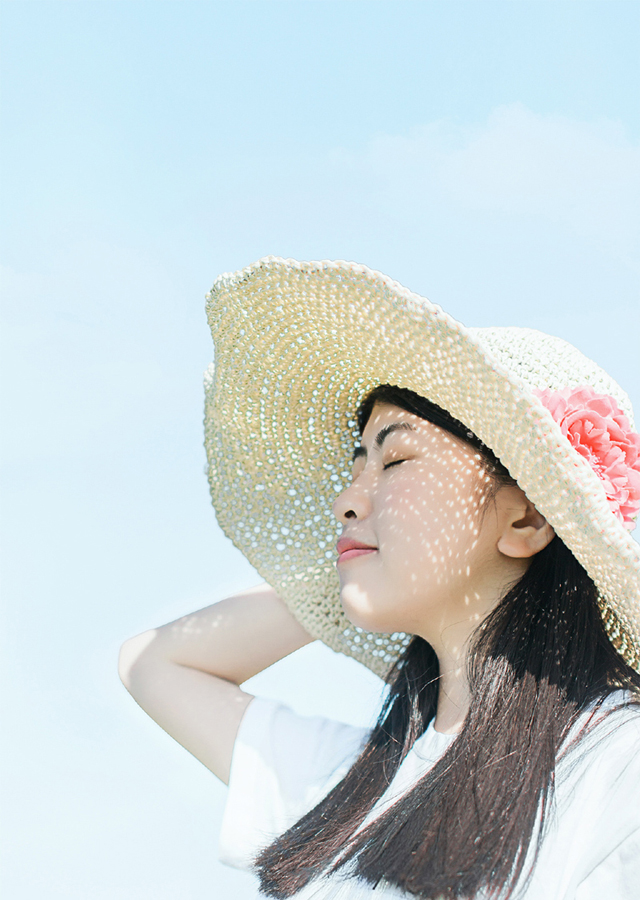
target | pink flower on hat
[{"x": 599, "y": 430}]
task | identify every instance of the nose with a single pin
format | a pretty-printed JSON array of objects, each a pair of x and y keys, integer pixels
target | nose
[{"x": 353, "y": 503}]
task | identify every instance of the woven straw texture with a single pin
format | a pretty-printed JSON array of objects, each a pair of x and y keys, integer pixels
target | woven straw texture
[{"x": 297, "y": 347}]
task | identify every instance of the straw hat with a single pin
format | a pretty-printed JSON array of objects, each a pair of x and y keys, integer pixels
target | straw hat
[{"x": 297, "y": 347}]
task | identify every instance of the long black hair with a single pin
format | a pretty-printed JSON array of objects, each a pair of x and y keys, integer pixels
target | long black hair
[{"x": 536, "y": 663}]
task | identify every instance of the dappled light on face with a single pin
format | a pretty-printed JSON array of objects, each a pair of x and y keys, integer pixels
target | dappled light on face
[{"x": 418, "y": 496}]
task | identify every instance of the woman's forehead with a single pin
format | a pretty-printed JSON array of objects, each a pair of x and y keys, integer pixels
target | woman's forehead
[
  {"x": 387, "y": 419},
  {"x": 383, "y": 414}
]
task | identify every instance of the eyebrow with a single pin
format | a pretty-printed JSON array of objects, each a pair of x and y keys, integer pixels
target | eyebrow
[{"x": 382, "y": 435}]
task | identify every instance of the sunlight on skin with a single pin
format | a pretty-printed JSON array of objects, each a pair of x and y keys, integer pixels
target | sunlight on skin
[{"x": 444, "y": 552}]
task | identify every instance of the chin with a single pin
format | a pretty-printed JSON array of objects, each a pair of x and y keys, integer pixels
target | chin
[{"x": 362, "y": 613}]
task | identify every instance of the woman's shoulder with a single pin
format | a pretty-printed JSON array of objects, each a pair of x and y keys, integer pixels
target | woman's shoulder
[
  {"x": 602, "y": 753},
  {"x": 311, "y": 745},
  {"x": 597, "y": 802},
  {"x": 283, "y": 763},
  {"x": 615, "y": 720}
]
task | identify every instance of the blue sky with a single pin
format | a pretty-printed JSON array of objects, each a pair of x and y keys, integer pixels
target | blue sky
[{"x": 485, "y": 154}]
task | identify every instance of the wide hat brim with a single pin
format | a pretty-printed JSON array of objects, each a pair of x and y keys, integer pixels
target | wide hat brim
[{"x": 297, "y": 347}]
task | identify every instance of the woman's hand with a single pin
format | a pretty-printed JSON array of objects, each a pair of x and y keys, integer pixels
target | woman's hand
[{"x": 186, "y": 674}]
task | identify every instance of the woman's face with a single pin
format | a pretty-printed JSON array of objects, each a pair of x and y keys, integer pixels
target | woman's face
[{"x": 416, "y": 499}]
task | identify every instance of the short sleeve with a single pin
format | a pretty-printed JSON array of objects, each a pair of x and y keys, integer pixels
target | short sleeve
[{"x": 283, "y": 764}]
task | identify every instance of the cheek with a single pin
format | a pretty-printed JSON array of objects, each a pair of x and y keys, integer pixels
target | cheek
[{"x": 430, "y": 520}]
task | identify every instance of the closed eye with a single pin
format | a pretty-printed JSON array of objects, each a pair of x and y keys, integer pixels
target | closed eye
[{"x": 396, "y": 462}]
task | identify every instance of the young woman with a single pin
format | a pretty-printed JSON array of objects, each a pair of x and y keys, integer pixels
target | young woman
[{"x": 481, "y": 484}]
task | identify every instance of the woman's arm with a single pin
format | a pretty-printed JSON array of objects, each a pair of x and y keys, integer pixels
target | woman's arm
[{"x": 185, "y": 674}]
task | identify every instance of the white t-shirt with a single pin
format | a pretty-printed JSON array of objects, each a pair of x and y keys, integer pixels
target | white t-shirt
[{"x": 283, "y": 764}]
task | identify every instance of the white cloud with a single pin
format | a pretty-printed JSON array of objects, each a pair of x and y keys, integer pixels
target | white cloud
[{"x": 584, "y": 176}]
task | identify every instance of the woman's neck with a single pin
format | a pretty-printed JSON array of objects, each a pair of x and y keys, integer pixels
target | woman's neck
[
  {"x": 452, "y": 635},
  {"x": 453, "y": 699}
]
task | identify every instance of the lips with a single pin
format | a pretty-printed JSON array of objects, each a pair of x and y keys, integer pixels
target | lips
[{"x": 348, "y": 548}]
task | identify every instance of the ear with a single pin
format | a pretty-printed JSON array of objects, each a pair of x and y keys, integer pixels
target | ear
[{"x": 524, "y": 531}]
